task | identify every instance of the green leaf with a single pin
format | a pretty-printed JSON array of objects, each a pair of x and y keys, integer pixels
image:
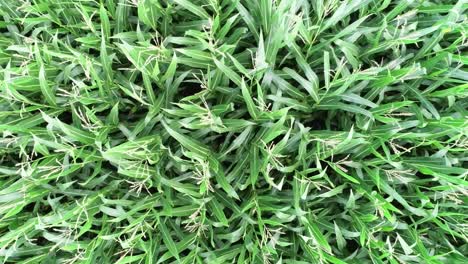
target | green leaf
[
  {"x": 46, "y": 90},
  {"x": 197, "y": 10},
  {"x": 168, "y": 241}
]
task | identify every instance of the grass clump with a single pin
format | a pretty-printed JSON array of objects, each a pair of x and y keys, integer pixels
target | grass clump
[{"x": 233, "y": 131}]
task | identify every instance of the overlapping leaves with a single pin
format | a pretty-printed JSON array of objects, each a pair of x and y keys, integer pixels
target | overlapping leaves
[{"x": 233, "y": 131}]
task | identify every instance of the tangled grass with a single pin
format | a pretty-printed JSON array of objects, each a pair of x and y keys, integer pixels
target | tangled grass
[{"x": 233, "y": 131}]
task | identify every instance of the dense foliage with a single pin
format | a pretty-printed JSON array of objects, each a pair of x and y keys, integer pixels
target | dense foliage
[{"x": 233, "y": 131}]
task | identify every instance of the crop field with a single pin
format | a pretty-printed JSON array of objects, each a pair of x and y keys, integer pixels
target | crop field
[{"x": 234, "y": 131}]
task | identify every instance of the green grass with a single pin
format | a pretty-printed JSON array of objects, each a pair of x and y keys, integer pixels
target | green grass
[{"x": 233, "y": 131}]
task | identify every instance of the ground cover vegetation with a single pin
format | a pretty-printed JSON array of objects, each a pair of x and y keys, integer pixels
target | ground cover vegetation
[{"x": 233, "y": 131}]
